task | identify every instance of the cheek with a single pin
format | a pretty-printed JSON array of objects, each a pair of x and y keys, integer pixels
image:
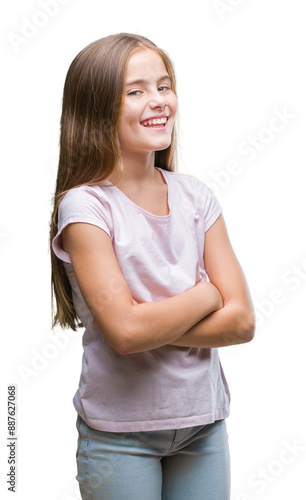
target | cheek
[
  {"x": 126, "y": 121},
  {"x": 128, "y": 127},
  {"x": 174, "y": 104},
  {"x": 131, "y": 115}
]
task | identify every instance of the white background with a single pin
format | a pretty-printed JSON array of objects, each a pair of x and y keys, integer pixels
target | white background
[{"x": 236, "y": 62}]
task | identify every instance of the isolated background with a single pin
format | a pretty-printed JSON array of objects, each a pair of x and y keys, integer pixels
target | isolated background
[{"x": 237, "y": 61}]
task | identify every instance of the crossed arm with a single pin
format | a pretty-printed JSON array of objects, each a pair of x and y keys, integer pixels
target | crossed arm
[
  {"x": 211, "y": 314},
  {"x": 234, "y": 323}
]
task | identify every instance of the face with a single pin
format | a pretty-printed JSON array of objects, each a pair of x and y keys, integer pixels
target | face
[{"x": 149, "y": 108}]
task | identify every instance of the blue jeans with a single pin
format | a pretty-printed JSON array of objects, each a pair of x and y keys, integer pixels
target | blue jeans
[{"x": 192, "y": 463}]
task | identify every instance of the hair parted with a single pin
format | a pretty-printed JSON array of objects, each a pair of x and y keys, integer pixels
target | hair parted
[{"x": 89, "y": 147}]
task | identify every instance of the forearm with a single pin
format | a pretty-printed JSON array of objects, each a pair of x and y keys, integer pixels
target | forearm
[
  {"x": 154, "y": 324},
  {"x": 233, "y": 324}
]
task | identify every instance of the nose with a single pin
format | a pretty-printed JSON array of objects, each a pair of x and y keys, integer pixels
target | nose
[{"x": 158, "y": 100}]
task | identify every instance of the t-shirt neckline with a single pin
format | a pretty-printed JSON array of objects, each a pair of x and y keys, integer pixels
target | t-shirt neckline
[{"x": 142, "y": 210}]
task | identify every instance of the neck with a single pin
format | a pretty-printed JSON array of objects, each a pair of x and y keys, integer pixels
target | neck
[{"x": 136, "y": 169}]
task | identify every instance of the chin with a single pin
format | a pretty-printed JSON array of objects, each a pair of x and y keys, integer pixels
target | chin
[
  {"x": 162, "y": 145},
  {"x": 163, "y": 148}
]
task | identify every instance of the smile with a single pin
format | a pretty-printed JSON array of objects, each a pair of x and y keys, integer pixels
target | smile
[{"x": 155, "y": 122}]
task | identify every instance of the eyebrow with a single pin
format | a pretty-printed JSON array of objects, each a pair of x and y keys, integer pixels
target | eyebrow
[{"x": 142, "y": 80}]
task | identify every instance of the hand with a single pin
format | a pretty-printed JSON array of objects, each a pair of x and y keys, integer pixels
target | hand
[{"x": 213, "y": 293}]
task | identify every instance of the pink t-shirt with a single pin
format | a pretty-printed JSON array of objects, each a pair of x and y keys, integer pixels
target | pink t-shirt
[{"x": 160, "y": 256}]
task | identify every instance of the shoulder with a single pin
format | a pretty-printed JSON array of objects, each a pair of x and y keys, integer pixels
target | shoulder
[
  {"x": 82, "y": 194},
  {"x": 83, "y": 198},
  {"x": 190, "y": 183},
  {"x": 85, "y": 204},
  {"x": 194, "y": 193}
]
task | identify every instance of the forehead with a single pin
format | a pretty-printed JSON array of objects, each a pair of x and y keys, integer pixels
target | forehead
[{"x": 144, "y": 64}]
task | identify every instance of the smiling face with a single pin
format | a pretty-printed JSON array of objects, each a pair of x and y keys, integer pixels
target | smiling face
[{"x": 149, "y": 107}]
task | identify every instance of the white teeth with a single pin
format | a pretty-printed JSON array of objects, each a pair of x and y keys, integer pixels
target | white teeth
[{"x": 155, "y": 121}]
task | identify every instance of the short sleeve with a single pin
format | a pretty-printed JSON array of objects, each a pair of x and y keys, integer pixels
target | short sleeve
[
  {"x": 82, "y": 204},
  {"x": 210, "y": 206}
]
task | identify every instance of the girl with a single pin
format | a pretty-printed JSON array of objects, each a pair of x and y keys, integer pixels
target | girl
[{"x": 129, "y": 263}]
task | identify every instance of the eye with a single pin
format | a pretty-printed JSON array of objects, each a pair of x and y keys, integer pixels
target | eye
[
  {"x": 134, "y": 93},
  {"x": 163, "y": 88}
]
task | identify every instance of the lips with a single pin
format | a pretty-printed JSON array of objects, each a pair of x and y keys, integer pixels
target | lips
[{"x": 156, "y": 121}]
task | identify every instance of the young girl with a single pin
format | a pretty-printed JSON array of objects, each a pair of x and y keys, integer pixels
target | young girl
[{"x": 130, "y": 264}]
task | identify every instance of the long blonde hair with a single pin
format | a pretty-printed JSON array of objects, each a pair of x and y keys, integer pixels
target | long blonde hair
[{"x": 89, "y": 146}]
